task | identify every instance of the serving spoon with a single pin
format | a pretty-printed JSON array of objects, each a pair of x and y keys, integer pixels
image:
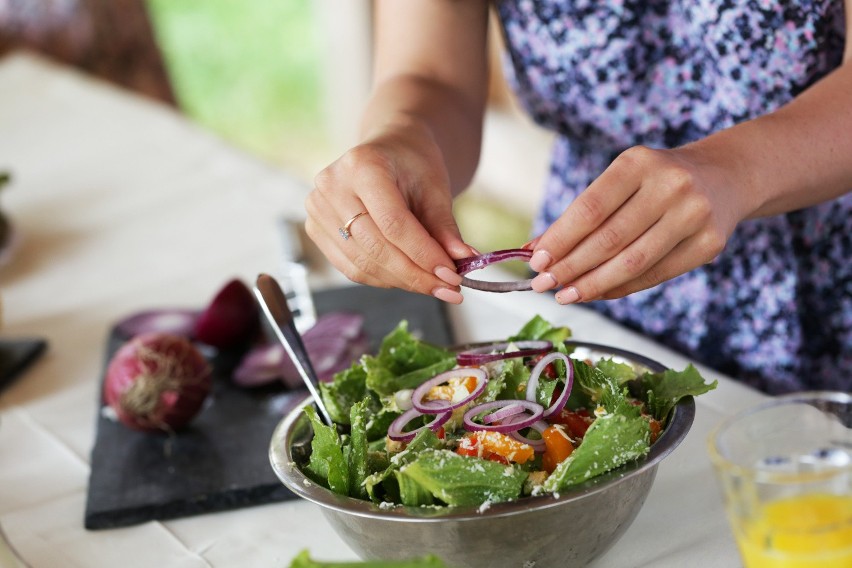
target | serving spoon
[{"x": 273, "y": 302}]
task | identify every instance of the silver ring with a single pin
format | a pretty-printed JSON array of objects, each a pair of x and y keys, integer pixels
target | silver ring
[{"x": 344, "y": 230}]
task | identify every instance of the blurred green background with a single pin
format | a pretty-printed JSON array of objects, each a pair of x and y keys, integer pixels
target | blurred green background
[{"x": 252, "y": 73}]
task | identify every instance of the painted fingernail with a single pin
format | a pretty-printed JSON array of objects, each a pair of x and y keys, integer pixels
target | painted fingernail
[
  {"x": 448, "y": 275},
  {"x": 540, "y": 260},
  {"x": 530, "y": 244},
  {"x": 568, "y": 295},
  {"x": 544, "y": 281},
  {"x": 447, "y": 295},
  {"x": 474, "y": 251}
]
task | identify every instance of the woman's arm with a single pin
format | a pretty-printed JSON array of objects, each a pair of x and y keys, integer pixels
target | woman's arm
[
  {"x": 421, "y": 137},
  {"x": 656, "y": 214}
]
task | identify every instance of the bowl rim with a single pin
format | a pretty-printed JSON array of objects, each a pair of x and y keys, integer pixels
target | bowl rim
[{"x": 283, "y": 463}]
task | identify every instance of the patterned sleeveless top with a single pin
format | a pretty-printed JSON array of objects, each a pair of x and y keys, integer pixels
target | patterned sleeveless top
[{"x": 775, "y": 308}]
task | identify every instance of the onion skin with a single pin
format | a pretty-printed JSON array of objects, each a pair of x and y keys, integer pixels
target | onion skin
[
  {"x": 230, "y": 319},
  {"x": 157, "y": 382}
]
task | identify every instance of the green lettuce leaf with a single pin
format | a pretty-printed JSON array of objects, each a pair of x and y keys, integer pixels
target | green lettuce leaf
[
  {"x": 327, "y": 464},
  {"x": 358, "y": 453},
  {"x": 425, "y": 439},
  {"x": 539, "y": 328},
  {"x": 458, "y": 480},
  {"x": 664, "y": 390},
  {"x": 346, "y": 388},
  {"x": 614, "y": 439}
]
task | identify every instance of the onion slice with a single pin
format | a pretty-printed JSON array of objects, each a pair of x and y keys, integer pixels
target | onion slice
[
  {"x": 175, "y": 321},
  {"x": 538, "y": 445},
  {"x": 438, "y": 406},
  {"x": 471, "y": 263},
  {"x": 395, "y": 431},
  {"x": 497, "y": 351},
  {"x": 535, "y": 375},
  {"x": 532, "y": 411}
]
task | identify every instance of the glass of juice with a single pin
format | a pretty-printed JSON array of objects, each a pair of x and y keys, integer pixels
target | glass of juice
[{"x": 785, "y": 469}]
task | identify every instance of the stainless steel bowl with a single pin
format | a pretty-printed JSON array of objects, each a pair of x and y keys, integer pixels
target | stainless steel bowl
[{"x": 569, "y": 529}]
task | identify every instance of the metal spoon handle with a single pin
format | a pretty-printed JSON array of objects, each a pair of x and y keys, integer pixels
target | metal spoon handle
[{"x": 273, "y": 302}]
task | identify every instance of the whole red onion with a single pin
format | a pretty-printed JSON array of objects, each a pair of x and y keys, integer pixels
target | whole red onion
[{"x": 157, "y": 382}]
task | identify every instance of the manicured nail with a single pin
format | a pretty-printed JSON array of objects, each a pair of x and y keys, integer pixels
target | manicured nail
[
  {"x": 568, "y": 295},
  {"x": 448, "y": 275},
  {"x": 530, "y": 244},
  {"x": 544, "y": 281},
  {"x": 447, "y": 295},
  {"x": 474, "y": 251},
  {"x": 540, "y": 260}
]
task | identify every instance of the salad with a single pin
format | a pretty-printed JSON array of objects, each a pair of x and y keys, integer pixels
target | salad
[{"x": 427, "y": 426}]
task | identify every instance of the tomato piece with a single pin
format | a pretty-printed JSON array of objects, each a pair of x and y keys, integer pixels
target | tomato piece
[
  {"x": 558, "y": 447},
  {"x": 656, "y": 428},
  {"x": 495, "y": 446},
  {"x": 575, "y": 422}
]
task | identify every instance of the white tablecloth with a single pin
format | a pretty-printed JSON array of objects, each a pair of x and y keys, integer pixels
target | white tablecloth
[{"x": 120, "y": 204}]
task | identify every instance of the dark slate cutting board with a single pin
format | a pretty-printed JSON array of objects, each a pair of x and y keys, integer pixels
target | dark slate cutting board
[{"x": 221, "y": 462}]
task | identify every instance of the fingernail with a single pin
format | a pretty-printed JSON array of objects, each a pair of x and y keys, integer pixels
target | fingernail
[
  {"x": 544, "y": 281},
  {"x": 448, "y": 275},
  {"x": 474, "y": 251},
  {"x": 568, "y": 295},
  {"x": 540, "y": 260},
  {"x": 447, "y": 295},
  {"x": 530, "y": 244}
]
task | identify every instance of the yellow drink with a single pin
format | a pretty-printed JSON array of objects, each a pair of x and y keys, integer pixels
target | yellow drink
[{"x": 805, "y": 531}]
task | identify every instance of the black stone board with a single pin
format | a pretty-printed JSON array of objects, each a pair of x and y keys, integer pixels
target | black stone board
[{"x": 221, "y": 461}]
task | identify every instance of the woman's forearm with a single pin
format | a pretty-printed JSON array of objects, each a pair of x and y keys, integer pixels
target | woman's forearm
[{"x": 451, "y": 118}]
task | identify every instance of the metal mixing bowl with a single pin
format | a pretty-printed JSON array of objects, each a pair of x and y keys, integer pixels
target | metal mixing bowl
[{"x": 569, "y": 529}]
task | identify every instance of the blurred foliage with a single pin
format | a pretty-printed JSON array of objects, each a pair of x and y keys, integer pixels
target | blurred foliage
[{"x": 249, "y": 71}]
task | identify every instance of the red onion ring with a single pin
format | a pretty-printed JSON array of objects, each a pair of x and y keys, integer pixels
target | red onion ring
[
  {"x": 559, "y": 404},
  {"x": 538, "y": 445},
  {"x": 516, "y": 423},
  {"x": 439, "y": 406},
  {"x": 485, "y": 354},
  {"x": 471, "y": 263},
  {"x": 503, "y": 413},
  {"x": 396, "y": 433}
]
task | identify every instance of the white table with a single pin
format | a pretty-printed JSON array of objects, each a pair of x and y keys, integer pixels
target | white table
[{"x": 120, "y": 205}]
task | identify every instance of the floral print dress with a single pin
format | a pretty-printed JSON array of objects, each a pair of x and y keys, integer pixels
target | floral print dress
[{"x": 775, "y": 308}]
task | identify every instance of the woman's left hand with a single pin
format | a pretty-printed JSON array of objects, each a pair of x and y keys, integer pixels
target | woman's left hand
[{"x": 651, "y": 216}]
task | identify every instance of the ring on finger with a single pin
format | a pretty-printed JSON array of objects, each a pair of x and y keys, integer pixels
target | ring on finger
[{"x": 344, "y": 230}]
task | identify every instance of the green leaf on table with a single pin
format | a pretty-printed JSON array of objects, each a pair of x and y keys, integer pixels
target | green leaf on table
[
  {"x": 459, "y": 480},
  {"x": 664, "y": 390},
  {"x": 304, "y": 560},
  {"x": 327, "y": 464}
]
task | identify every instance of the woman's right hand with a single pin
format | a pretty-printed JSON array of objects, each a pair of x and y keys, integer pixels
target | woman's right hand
[{"x": 409, "y": 237}]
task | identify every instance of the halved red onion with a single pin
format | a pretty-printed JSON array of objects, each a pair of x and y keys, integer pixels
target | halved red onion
[
  {"x": 516, "y": 423},
  {"x": 497, "y": 351},
  {"x": 538, "y": 445},
  {"x": 396, "y": 432},
  {"x": 172, "y": 321},
  {"x": 471, "y": 263},
  {"x": 438, "y": 406},
  {"x": 532, "y": 385}
]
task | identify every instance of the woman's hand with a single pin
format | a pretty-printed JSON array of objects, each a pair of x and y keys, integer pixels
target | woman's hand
[
  {"x": 651, "y": 216},
  {"x": 409, "y": 238}
]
